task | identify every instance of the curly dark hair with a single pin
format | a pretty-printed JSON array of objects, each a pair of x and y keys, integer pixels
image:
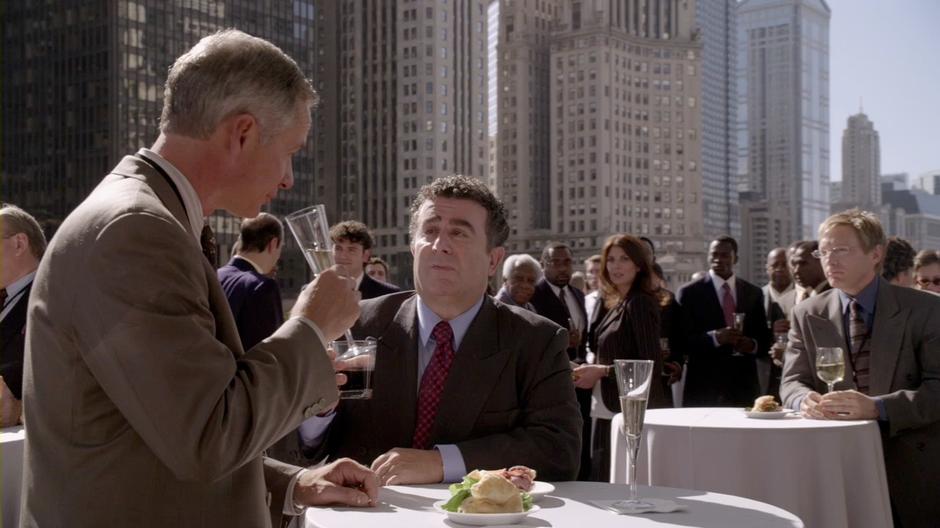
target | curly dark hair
[
  {"x": 899, "y": 257},
  {"x": 353, "y": 232},
  {"x": 466, "y": 188}
]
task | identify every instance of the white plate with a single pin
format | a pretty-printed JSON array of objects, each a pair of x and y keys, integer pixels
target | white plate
[
  {"x": 772, "y": 415},
  {"x": 540, "y": 489},
  {"x": 485, "y": 519}
]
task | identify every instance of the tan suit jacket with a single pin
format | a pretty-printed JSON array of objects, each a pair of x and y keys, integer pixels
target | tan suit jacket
[
  {"x": 905, "y": 375},
  {"x": 143, "y": 408}
]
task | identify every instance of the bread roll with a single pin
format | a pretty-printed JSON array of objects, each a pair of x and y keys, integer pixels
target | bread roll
[
  {"x": 481, "y": 505},
  {"x": 494, "y": 488}
]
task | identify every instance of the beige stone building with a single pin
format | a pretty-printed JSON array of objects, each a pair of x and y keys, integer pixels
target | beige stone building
[
  {"x": 625, "y": 128},
  {"x": 404, "y": 101}
]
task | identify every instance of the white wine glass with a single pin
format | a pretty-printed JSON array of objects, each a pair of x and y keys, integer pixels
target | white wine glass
[
  {"x": 311, "y": 230},
  {"x": 830, "y": 365},
  {"x": 634, "y": 378}
]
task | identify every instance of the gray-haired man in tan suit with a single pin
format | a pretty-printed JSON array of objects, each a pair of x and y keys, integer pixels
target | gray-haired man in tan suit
[
  {"x": 143, "y": 408},
  {"x": 890, "y": 336}
]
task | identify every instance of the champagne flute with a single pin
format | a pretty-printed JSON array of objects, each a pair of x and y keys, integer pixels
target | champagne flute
[
  {"x": 311, "y": 230},
  {"x": 633, "y": 381},
  {"x": 830, "y": 365}
]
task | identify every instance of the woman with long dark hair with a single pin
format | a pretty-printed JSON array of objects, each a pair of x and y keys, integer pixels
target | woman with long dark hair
[{"x": 630, "y": 329}]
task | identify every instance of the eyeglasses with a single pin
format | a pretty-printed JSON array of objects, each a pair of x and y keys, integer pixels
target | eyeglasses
[
  {"x": 838, "y": 252},
  {"x": 927, "y": 282}
]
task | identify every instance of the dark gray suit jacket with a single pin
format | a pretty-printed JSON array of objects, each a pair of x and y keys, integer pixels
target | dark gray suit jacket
[
  {"x": 905, "y": 374},
  {"x": 508, "y": 400}
]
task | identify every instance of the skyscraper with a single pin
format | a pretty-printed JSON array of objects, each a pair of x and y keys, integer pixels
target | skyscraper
[
  {"x": 861, "y": 165},
  {"x": 523, "y": 37},
  {"x": 625, "y": 128},
  {"x": 717, "y": 22},
  {"x": 405, "y": 102},
  {"x": 783, "y": 124},
  {"x": 83, "y": 86}
]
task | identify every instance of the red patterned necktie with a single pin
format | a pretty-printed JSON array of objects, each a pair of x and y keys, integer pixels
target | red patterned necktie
[
  {"x": 727, "y": 305},
  {"x": 861, "y": 356},
  {"x": 432, "y": 383}
]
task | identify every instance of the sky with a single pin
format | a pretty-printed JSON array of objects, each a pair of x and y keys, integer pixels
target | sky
[{"x": 887, "y": 53}]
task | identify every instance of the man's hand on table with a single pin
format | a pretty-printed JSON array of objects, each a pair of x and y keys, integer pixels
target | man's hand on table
[
  {"x": 344, "y": 481},
  {"x": 409, "y": 466},
  {"x": 810, "y": 406},
  {"x": 848, "y": 405}
]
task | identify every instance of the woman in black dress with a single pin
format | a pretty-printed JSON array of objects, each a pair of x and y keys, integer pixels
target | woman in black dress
[{"x": 630, "y": 329}]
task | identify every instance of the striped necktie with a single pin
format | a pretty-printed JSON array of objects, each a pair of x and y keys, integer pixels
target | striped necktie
[{"x": 861, "y": 355}]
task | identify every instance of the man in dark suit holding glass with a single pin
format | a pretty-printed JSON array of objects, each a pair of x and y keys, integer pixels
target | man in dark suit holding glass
[{"x": 722, "y": 367}]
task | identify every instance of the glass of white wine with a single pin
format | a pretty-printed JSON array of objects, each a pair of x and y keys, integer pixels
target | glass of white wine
[
  {"x": 311, "y": 230},
  {"x": 634, "y": 379},
  {"x": 830, "y": 365}
]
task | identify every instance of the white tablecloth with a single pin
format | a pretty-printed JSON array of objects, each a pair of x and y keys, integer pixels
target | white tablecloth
[
  {"x": 569, "y": 505},
  {"x": 829, "y": 473},
  {"x": 11, "y": 460}
]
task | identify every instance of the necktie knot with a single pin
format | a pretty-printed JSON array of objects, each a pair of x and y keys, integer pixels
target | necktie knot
[
  {"x": 855, "y": 311},
  {"x": 443, "y": 334}
]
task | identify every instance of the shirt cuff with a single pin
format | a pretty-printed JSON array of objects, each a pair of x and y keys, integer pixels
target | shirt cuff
[
  {"x": 313, "y": 429},
  {"x": 882, "y": 410},
  {"x": 290, "y": 507},
  {"x": 315, "y": 328},
  {"x": 454, "y": 467},
  {"x": 714, "y": 335}
]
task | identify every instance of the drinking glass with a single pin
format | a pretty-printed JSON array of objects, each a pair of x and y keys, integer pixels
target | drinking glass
[
  {"x": 633, "y": 382},
  {"x": 311, "y": 230},
  {"x": 355, "y": 359},
  {"x": 739, "y": 326},
  {"x": 830, "y": 365}
]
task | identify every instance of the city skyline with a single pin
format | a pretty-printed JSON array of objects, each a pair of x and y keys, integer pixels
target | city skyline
[{"x": 898, "y": 93}]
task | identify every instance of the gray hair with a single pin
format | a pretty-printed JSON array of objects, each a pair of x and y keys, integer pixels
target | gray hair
[
  {"x": 519, "y": 261},
  {"x": 15, "y": 221},
  {"x": 230, "y": 73}
]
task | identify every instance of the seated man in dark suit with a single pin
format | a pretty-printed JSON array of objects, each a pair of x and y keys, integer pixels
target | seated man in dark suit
[
  {"x": 352, "y": 247},
  {"x": 721, "y": 368},
  {"x": 23, "y": 246},
  {"x": 255, "y": 297},
  {"x": 890, "y": 338},
  {"x": 461, "y": 381}
]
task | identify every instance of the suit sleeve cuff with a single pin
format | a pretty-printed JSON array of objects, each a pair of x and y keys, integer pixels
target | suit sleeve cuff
[
  {"x": 315, "y": 328},
  {"x": 290, "y": 507},
  {"x": 454, "y": 467}
]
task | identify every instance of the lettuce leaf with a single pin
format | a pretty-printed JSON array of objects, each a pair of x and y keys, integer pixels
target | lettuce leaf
[
  {"x": 526, "y": 501},
  {"x": 458, "y": 493}
]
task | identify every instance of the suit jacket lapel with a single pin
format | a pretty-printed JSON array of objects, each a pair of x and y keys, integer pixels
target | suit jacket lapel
[
  {"x": 887, "y": 337},
  {"x": 716, "y": 312},
  {"x": 396, "y": 369},
  {"x": 477, "y": 367},
  {"x": 834, "y": 314},
  {"x": 15, "y": 320}
]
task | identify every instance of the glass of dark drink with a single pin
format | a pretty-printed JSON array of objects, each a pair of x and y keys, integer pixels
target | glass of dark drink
[{"x": 355, "y": 359}]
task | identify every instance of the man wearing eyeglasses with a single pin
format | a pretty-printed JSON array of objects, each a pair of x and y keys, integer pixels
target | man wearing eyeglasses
[{"x": 890, "y": 336}]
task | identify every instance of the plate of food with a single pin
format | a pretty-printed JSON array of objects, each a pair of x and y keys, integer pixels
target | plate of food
[
  {"x": 766, "y": 408},
  {"x": 488, "y": 498}
]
